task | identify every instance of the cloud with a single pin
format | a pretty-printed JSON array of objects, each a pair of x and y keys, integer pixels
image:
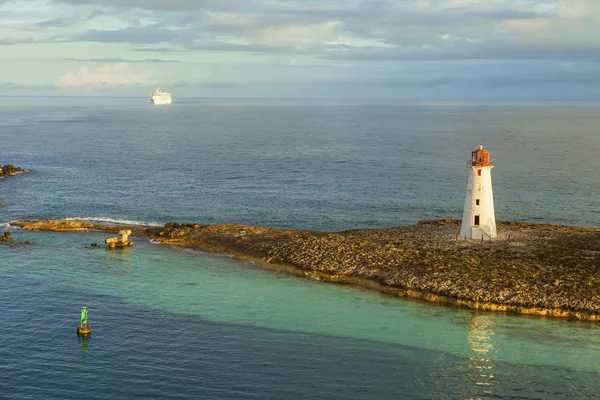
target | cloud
[
  {"x": 15, "y": 41},
  {"x": 20, "y": 87},
  {"x": 107, "y": 76},
  {"x": 210, "y": 84},
  {"x": 120, "y": 60},
  {"x": 157, "y": 50},
  {"x": 11, "y": 85},
  {"x": 414, "y": 81},
  {"x": 159, "y": 5},
  {"x": 393, "y": 82},
  {"x": 557, "y": 76},
  {"x": 65, "y": 21},
  {"x": 149, "y": 34},
  {"x": 393, "y": 45},
  {"x": 375, "y": 30},
  {"x": 258, "y": 48}
]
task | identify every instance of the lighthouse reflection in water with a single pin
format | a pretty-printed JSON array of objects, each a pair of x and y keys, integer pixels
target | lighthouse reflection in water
[{"x": 480, "y": 366}]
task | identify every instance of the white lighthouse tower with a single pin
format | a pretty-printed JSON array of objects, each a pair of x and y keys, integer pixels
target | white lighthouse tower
[{"x": 479, "y": 221}]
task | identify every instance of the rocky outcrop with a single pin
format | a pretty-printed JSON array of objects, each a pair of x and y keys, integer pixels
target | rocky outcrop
[
  {"x": 122, "y": 242},
  {"x": 72, "y": 226},
  {"x": 7, "y": 238},
  {"x": 531, "y": 268},
  {"x": 9, "y": 169}
]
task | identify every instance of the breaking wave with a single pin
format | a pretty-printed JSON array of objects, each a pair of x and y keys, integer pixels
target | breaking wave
[
  {"x": 6, "y": 225},
  {"x": 115, "y": 221}
]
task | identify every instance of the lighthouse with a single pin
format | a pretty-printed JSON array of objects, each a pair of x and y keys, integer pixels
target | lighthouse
[{"x": 479, "y": 221}]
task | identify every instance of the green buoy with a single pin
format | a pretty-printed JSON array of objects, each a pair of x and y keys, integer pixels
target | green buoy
[{"x": 84, "y": 329}]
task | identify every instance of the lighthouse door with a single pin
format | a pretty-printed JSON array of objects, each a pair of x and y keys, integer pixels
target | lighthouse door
[{"x": 476, "y": 222}]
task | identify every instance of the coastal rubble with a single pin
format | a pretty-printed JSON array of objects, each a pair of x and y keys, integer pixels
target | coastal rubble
[
  {"x": 7, "y": 238},
  {"x": 531, "y": 268}
]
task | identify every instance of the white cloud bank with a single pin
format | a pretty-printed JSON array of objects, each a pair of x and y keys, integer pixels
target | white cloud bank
[{"x": 108, "y": 76}]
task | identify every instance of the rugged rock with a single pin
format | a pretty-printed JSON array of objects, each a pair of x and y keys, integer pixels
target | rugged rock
[
  {"x": 123, "y": 241},
  {"x": 9, "y": 169}
]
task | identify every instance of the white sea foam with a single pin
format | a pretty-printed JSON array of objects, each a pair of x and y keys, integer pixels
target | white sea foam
[
  {"x": 114, "y": 221},
  {"x": 7, "y": 225}
]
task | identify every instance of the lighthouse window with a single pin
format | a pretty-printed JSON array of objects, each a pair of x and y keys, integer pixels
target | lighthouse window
[
  {"x": 476, "y": 202},
  {"x": 476, "y": 220},
  {"x": 479, "y": 172}
]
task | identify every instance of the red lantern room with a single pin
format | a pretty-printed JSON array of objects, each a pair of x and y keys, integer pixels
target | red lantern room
[{"x": 480, "y": 158}]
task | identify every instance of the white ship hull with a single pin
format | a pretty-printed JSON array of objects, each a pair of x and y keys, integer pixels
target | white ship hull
[
  {"x": 155, "y": 100},
  {"x": 159, "y": 97}
]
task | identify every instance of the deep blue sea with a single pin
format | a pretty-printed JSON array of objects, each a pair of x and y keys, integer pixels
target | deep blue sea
[{"x": 183, "y": 324}]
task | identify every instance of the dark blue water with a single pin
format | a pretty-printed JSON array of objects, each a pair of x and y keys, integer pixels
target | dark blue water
[
  {"x": 170, "y": 323},
  {"x": 139, "y": 352},
  {"x": 296, "y": 164}
]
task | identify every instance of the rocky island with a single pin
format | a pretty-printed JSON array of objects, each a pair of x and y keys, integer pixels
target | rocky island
[
  {"x": 9, "y": 169},
  {"x": 538, "y": 269}
]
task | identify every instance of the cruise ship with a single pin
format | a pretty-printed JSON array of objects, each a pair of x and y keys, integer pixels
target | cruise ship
[{"x": 158, "y": 97}]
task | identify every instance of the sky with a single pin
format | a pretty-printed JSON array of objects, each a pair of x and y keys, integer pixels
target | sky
[{"x": 405, "y": 49}]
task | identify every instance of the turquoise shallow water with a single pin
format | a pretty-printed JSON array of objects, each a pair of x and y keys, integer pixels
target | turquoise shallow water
[
  {"x": 175, "y": 323},
  {"x": 220, "y": 289},
  {"x": 465, "y": 353}
]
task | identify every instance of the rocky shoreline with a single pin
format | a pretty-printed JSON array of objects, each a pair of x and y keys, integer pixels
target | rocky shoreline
[{"x": 537, "y": 269}]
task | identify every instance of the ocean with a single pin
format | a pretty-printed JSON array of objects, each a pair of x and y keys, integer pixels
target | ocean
[{"x": 186, "y": 324}]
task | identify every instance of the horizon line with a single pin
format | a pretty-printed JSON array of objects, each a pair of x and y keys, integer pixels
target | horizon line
[{"x": 315, "y": 98}]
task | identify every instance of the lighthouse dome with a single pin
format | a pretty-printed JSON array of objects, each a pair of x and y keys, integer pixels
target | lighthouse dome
[{"x": 480, "y": 158}]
